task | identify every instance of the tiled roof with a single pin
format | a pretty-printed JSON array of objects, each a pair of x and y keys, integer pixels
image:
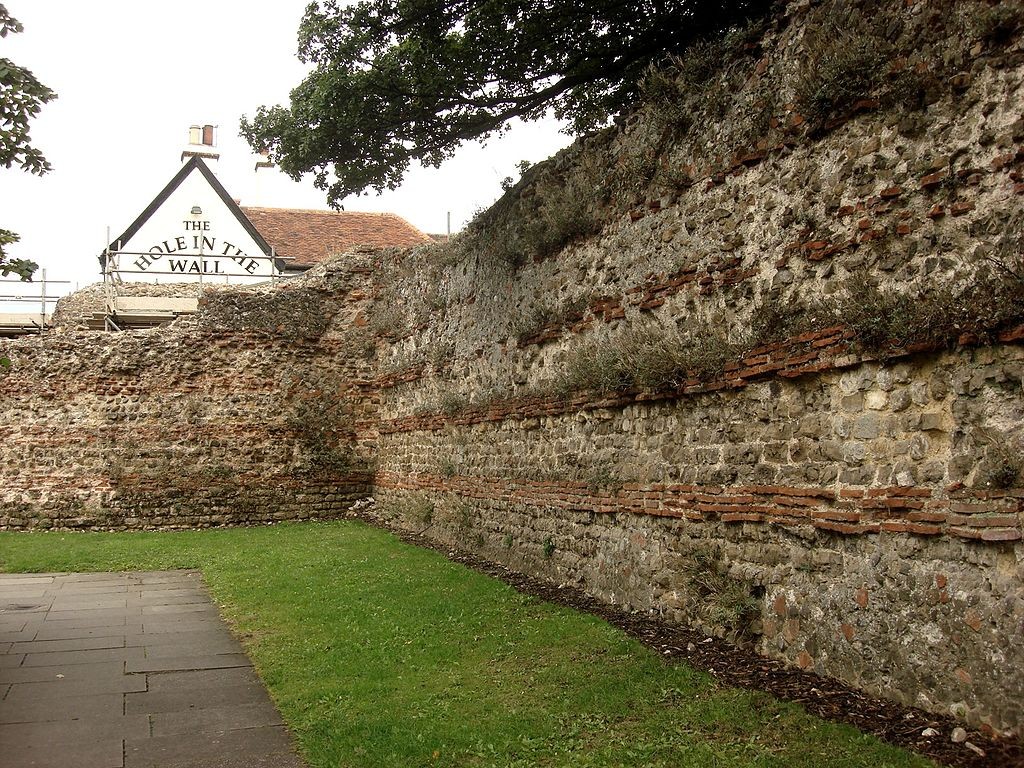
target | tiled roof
[{"x": 307, "y": 237}]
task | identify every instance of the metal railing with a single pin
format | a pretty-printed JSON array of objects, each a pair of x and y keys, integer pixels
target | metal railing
[
  {"x": 37, "y": 293},
  {"x": 114, "y": 274}
]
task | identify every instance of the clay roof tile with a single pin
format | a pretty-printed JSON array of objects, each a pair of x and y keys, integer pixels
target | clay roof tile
[{"x": 307, "y": 237}]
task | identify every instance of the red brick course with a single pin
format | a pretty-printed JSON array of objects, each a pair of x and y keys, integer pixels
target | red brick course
[{"x": 998, "y": 516}]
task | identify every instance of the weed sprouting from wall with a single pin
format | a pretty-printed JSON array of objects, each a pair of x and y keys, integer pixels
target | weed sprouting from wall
[
  {"x": 717, "y": 600},
  {"x": 843, "y": 64},
  {"x": 885, "y": 319},
  {"x": 1005, "y": 468},
  {"x": 773, "y": 319},
  {"x": 451, "y": 402},
  {"x": 388, "y": 319},
  {"x": 595, "y": 367},
  {"x": 997, "y": 24},
  {"x": 653, "y": 357},
  {"x": 1002, "y": 462},
  {"x": 531, "y": 322},
  {"x": 415, "y": 509},
  {"x": 663, "y": 94},
  {"x": 463, "y": 515},
  {"x": 602, "y": 478},
  {"x": 546, "y": 211},
  {"x": 534, "y": 228},
  {"x": 323, "y": 429},
  {"x": 547, "y": 315},
  {"x": 880, "y": 318},
  {"x": 446, "y": 467},
  {"x": 548, "y": 547},
  {"x": 440, "y": 354},
  {"x": 694, "y": 84}
]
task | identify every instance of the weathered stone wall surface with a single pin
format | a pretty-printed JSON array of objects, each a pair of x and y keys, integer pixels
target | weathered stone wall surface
[
  {"x": 753, "y": 365},
  {"x": 751, "y": 360},
  {"x": 243, "y": 413},
  {"x": 815, "y": 517}
]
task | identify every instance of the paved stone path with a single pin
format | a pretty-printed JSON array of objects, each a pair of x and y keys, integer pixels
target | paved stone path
[{"x": 126, "y": 670}]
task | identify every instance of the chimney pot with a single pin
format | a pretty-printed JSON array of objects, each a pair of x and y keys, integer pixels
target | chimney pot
[
  {"x": 194, "y": 134},
  {"x": 208, "y": 135}
]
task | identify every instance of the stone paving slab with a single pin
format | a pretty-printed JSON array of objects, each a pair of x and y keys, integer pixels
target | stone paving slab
[
  {"x": 187, "y": 700},
  {"x": 99, "y": 673},
  {"x": 224, "y": 749},
  {"x": 186, "y": 663},
  {"x": 14, "y": 637},
  {"x": 51, "y": 632},
  {"x": 197, "y": 680},
  {"x": 113, "y": 670},
  {"x": 76, "y": 644},
  {"x": 11, "y": 659},
  {"x": 214, "y": 719},
  {"x": 193, "y": 647},
  {"x": 89, "y": 728},
  {"x": 54, "y": 689},
  {"x": 90, "y": 754},
  {"x": 67, "y": 708},
  {"x": 83, "y": 657},
  {"x": 185, "y": 636}
]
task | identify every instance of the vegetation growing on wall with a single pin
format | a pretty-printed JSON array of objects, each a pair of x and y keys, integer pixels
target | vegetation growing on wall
[
  {"x": 415, "y": 509},
  {"x": 719, "y": 602},
  {"x": 649, "y": 357},
  {"x": 532, "y": 222},
  {"x": 322, "y": 427}
]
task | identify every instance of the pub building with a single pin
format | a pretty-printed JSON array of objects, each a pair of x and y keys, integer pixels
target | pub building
[{"x": 195, "y": 232}]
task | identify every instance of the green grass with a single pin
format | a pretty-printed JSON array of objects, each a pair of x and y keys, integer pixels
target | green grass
[{"x": 382, "y": 654}]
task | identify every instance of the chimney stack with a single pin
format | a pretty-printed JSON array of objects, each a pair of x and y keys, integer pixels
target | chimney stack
[{"x": 201, "y": 142}]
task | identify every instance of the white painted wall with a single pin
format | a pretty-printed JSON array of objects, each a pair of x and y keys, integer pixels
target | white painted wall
[{"x": 175, "y": 246}]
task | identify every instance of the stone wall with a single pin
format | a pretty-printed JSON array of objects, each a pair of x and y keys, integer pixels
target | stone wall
[
  {"x": 244, "y": 413},
  {"x": 816, "y": 517},
  {"x": 75, "y": 310},
  {"x": 753, "y": 366},
  {"x": 749, "y": 359}
]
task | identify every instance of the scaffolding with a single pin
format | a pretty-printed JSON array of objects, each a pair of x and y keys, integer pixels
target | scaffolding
[
  {"x": 41, "y": 296},
  {"x": 123, "y": 311}
]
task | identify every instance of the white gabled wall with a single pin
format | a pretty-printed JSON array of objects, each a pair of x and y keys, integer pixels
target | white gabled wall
[{"x": 176, "y": 245}]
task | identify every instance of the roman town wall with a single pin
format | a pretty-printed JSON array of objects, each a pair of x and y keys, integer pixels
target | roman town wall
[
  {"x": 749, "y": 359},
  {"x": 752, "y": 365},
  {"x": 242, "y": 413}
]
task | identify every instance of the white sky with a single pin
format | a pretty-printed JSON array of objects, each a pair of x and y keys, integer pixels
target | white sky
[{"x": 131, "y": 77}]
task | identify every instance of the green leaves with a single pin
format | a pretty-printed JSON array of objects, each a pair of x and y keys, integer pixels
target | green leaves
[
  {"x": 23, "y": 268},
  {"x": 396, "y": 81},
  {"x": 21, "y": 98}
]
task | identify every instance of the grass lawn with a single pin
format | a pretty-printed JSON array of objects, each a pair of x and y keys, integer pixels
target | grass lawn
[{"x": 382, "y": 654}]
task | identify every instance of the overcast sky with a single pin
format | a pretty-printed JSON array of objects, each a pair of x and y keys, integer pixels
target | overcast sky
[{"x": 132, "y": 76}]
